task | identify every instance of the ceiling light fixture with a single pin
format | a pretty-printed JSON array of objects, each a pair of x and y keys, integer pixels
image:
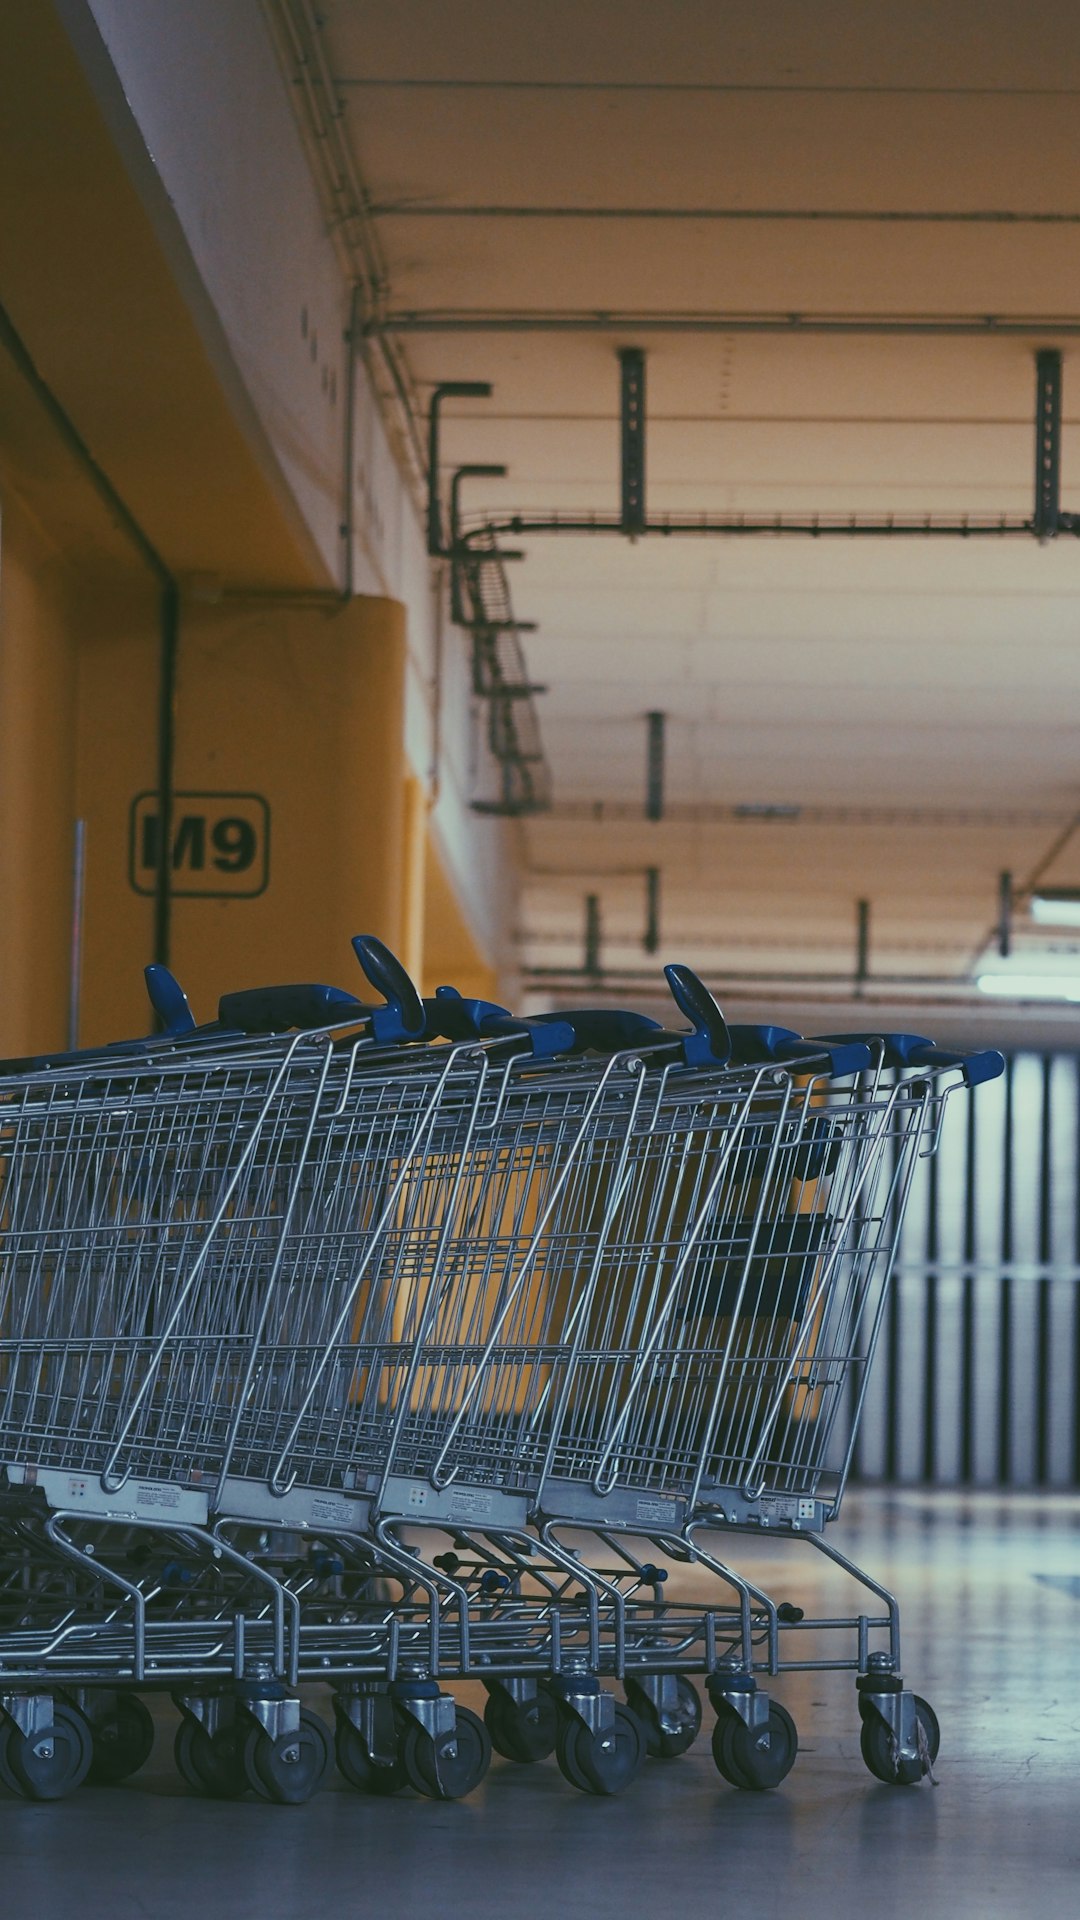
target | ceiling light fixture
[
  {"x": 1056, "y": 907},
  {"x": 1031, "y": 986}
]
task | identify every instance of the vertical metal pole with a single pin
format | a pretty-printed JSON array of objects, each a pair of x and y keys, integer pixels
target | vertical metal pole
[
  {"x": 862, "y": 944},
  {"x": 1005, "y": 913},
  {"x": 632, "y": 439},
  {"x": 654, "y": 766},
  {"x": 1005, "y": 1294},
  {"x": 651, "y": 939},
  {"x": 1047, "y": 442},
  {"x": 348, "y": 507},
  {"x": 1044, "y": 1285},
  {"x": 592, "y": 933},
  {"x": 931, "y": 1370},
  {"x": 1074, "y": 1372},
  {"x": 169, "y": 647},
  {"x": 78, "y": 894},
  {"x": 967, "y": 1333}
]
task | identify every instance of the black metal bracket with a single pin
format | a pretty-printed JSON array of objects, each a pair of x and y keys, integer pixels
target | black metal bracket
[
  {"x": 1005, "y": 914},
  {"x": 651, "y": 937},
  {"x": 446, "y": 390},
  {"x": 495, "y": 626},
  {"x": 592, "y": 934},
  {"x": 482, "y": 471},
  {"x": 654, "y": 766},
  {"x": 632, "y": 439},
  {"x": 1048, "y": 519},
  {"x": 862, "y": 944}
]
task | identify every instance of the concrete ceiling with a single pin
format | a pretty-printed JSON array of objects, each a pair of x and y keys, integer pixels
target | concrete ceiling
[{"x": 555, "y": 181}]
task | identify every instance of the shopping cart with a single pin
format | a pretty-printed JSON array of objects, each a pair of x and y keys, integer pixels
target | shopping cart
[
  {"x": 681, "y": 1364},
  {"x": 269, "y": 1294},
  {"x": 164, "y": 1203}
]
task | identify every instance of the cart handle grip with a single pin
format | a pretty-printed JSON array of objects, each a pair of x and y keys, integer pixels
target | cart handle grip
[
  {"x": 450, "y": 1016},
  {"x": 277, "y": 1009},
  {"x": 168, "y": 999},
  {"x": 710, "y": 1042},
  {"x": 402, "y": 1018},
  {"x": 604, "y": 1029},
  {"x": 914, "y": 1050},
  {"x": 751, "y": 1045}
]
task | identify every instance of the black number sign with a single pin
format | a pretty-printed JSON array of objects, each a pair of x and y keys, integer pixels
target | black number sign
[{"x": 220, "y": 845}]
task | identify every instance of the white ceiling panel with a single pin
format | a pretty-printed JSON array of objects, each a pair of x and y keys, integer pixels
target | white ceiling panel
[{"x": 555, "y": 181}]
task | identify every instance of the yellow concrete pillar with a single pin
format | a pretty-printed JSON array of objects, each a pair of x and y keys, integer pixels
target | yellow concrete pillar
[
  {"x": 37, "y": 736},
  {"x": 413, "y": 877},
  {"x": 289, "y": 810}
]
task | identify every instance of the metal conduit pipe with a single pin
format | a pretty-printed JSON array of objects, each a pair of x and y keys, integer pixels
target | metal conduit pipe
[{"x": 169, "y": 616}]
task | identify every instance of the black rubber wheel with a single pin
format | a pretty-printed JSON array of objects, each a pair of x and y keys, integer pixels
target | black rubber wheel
[
  {"x": 210, "y": 1763},
  {"x": 123, "y": 1741},
  {"x": 356, "y": 1765},
  {"x": 451, "y": 1765},
  {"x": 601, "y": 1763},
  {"x": 292, "y": 1768},
  {"x": 660, "y": 1743},
  {"x": 53, "y": 1776},
  {"x": 7, "y": 1779},
  {"x": 566, "y": 1750},
  {"x": 723, "y": 1749},
  {"x": 755, "y": 1758},
  {"x": 524, "y": 1730},
  {"x": 879, "y": 1748}
]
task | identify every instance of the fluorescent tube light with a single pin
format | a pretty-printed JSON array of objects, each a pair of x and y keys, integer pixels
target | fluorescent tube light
[
  {"x": 1057, "y": 907},
  {"x": 1031, "y": 986}
]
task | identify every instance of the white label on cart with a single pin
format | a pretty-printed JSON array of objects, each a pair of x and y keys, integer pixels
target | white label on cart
[
  {"x": 657, "y": 1510},
  {"x": 157, "y": 1496},
  {"x": 472, "y": 1503},
  {"x": 77, "y": 1489},
  {"x": 336, "y": 1513}
]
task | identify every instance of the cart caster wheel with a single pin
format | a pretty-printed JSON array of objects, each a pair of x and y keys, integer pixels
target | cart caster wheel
[
  {"x": 660, "y": 1743},
  {"x": 524, "y": 1730},
  {"x": 601, "y": 1763},
  {"x": 50, "y": 1776},
  {"x": 356, "y": 1765},
  {"x": 210, "y": 1762},
  {"x": 755, "y": 1758},
  {"x": 879, "y": 1747},
  {"x": 123, "y": 1741},
  {"x": 290, "y": 1769},
  {"x": 450, "y": 1765},
  {"x": 7, "y": 1779}
]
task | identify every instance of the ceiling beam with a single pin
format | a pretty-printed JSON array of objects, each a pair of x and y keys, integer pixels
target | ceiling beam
[{"x": 932, "y": 326}]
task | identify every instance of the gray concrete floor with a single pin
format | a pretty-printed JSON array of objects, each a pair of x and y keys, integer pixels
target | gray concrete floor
[{"x": 991, "y": 1589}]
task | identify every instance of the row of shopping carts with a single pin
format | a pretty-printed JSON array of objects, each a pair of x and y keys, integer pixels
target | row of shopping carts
[{"x": 387, "y": 1347}]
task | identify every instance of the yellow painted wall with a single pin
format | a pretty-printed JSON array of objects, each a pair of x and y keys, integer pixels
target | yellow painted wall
[
  {"x": 38, "y": 631},
  {"x": 301, "y": 707}
]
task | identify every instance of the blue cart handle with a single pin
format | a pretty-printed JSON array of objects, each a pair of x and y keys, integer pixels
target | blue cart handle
[
  {"x": 402, "y": 1018},
  {"x": 309, "y": 1004},
  {"x": 749, "y": 1045},
  {"x": 914, "y": 1050},
  {"x": 710, "y": 1042},
  {"x": 452, "y": 1017},
  {"x": 169, "y": 1001},
  {"x": 604, "y": 1029},
  {"x": 303, "y": 1005}
]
